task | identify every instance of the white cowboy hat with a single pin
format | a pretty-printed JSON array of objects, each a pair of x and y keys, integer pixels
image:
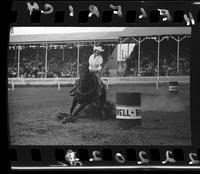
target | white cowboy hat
[{"x": 99, "y": 48}]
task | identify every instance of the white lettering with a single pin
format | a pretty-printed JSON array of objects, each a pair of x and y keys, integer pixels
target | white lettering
[
  {"x": 71, "y": 9},
  {"x": 119, "y": 157},
  {"x": 118, "y": 8},
  {"x": 48, "y": 9},
  {"x": 189, "y": 19},
  {"x": 166, "y": 14},
  {"x": 144, "y": 14},
  {"x": 95, "y": 158},
  {"x": 168, "y": 159},
  {"x": 93, "y": 10},
  {"x": 32, "y": 7}
]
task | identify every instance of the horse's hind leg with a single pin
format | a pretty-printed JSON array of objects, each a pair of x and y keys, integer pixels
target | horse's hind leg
[
  {"x": 99, "y": 106},
  {"x": 101, "y": 110},
  {"x": 102, "y": 101}
]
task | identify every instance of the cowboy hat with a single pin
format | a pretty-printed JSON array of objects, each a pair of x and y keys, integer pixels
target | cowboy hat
[{"x": 99, "y": 48}]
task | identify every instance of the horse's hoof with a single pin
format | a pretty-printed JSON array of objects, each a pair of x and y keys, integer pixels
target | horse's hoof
[
  {"x": 60, "y": 115},
  {"x": 72, "y": 93},
  {"x": 64, "y": 121},
  {"x": 75, "y": 119},
  {"x": 70, "y": 120}
]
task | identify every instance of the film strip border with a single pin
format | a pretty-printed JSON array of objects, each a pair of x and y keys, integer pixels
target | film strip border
[
  {"x": 104, "y": 13},
  {"x": 104, "y": 157},
  {"x": 110, "y": 13}
]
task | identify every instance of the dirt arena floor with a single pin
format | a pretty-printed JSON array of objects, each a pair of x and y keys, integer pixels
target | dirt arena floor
[{"x": 165, "y": 118}]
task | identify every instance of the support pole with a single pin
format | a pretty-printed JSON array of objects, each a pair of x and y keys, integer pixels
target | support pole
[
  {"x": 158, "y": 59},
  {"x": 109, "y": 50},
  {"x": 37, "y": 53},
  {"x": 46, "y": 53},
  {"x": 77, "y": 60},
  {"x": 120, "y": 50},
  {"x": 128, "y": 50},
  {"x": 139, "y": 42},
  {"x": 139, "y": 55},
  {"x": 16, "y": 50},
  {"x": 178, "y": 50},
  {"x": 178, "y": 40},
  {"x": 120, "y": 57},
  {"x": 18, "y": 61},
  {"x": 63, "y": 53}
]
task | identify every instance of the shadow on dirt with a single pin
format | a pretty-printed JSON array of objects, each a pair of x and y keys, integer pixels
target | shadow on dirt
[{"x": 91, "y": 112}]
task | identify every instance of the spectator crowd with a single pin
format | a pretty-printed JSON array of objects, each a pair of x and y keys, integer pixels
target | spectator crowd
[
  {"x": 64, "y": 63},
  {"x": 167, "y": 59}
]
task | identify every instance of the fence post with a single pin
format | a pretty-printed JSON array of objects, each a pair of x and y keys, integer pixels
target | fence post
[
  {"x": 58, "y": 83},
  {"x": 157, "y": 85},
  {"x": 107, "y": 83},
  {"x": 13, "y": 85}
]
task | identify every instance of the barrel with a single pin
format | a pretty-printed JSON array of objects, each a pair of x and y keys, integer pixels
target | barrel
[
  {"x": 128, "y": 110},
  {"x": 173, "y": 87}
]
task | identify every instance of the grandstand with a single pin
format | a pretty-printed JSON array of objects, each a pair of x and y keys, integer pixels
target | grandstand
[{"x": 133, "y": 52}]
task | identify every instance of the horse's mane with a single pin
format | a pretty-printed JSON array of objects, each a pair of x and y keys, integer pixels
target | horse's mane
[
  {"x": 86, "y": 81},
  {"x": 84, "y": 73}
]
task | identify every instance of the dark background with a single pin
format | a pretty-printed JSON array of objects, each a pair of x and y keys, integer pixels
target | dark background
[{"x": 23, "y": 19}]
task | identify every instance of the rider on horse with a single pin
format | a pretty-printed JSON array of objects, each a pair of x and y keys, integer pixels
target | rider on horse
[{"x": 95, "y": 66}]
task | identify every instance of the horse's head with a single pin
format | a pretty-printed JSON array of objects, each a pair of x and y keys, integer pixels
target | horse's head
[
  {"x": 86, "y": 81},
  {"x": 84, "y": 71}
]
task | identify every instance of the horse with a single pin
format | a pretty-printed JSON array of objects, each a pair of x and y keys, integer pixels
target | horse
[{"x": 86, "y": 92}]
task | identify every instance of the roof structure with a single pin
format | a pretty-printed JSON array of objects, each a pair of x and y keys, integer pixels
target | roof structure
[
  {"x": 98, "y": 36},
  {"x": 65, "y": 37},
  {"x": 155, "y": 31}
]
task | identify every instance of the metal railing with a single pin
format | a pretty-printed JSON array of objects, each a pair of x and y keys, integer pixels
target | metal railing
[{"x": 107, "y": 80}]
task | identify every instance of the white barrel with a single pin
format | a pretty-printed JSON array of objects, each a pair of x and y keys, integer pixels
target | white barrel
[
  {"x": 173, "y": 87},
  {"x": 128, "y": 110}
]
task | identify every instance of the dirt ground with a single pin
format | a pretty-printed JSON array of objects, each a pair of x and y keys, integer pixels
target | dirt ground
[{"x": 165, "y": 118}]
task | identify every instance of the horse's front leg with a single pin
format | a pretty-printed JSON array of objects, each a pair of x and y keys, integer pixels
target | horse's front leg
[
  {"x": 80, "y": 107},
  {"x": 74, "y": 103},
  {"x": 101, "y": 112},
  {"x": 70, "y": 118}
]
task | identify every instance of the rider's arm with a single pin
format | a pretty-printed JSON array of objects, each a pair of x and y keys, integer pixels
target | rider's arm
[
  {"x": 90, "y": 68},
  {"x": 90, "y": 63},
  {"x": 100, "y": 62},
  {"x": 99, "y": 68}
]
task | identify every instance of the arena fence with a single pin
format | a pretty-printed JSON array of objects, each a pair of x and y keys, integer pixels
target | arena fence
[{"x": 107, "y": 80}]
